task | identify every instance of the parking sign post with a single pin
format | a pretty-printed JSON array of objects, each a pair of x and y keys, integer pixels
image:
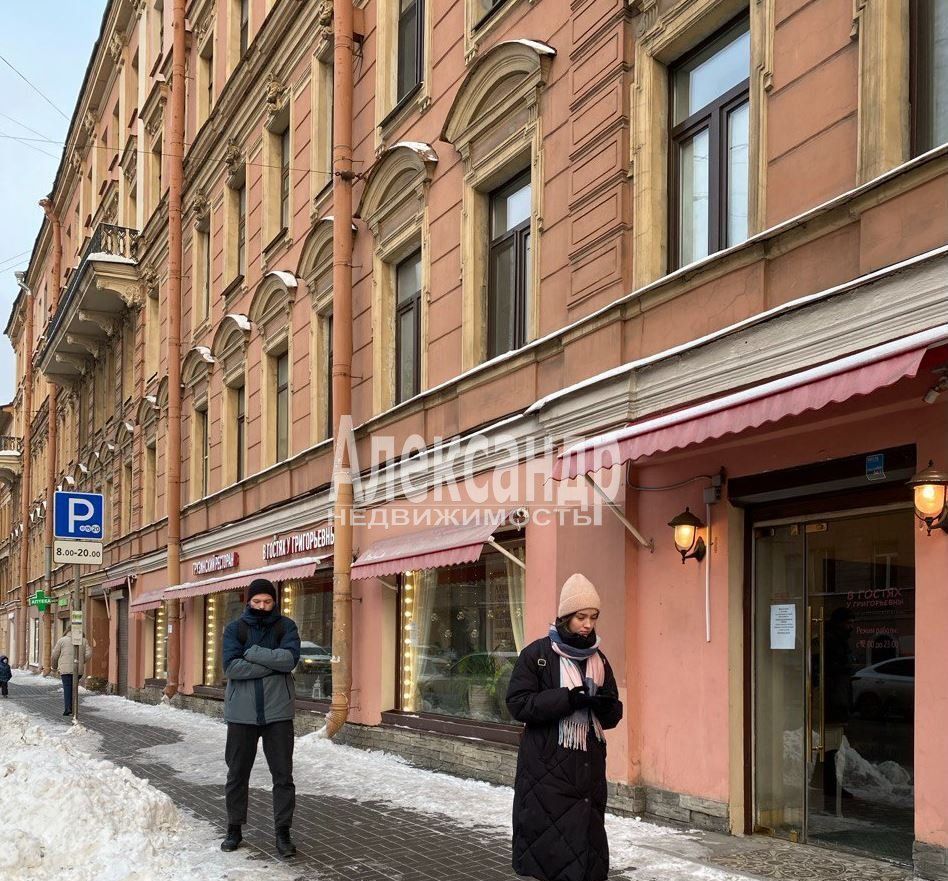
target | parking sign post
[{"x": 78, "y": 533}]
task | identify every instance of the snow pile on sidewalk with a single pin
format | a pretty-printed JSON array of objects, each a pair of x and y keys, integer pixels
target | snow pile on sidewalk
[
  {"x": 328, "y": 769},
  {"x": 68, "y": 815}
]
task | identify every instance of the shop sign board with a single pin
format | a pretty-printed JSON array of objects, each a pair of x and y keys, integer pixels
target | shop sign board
[
  {"x": 217, "y": 563},
  {"x": 299, "y": 543}
]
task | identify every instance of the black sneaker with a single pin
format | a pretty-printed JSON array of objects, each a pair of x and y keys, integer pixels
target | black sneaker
[
  {"x": 284, "y": 844},
  {"x": 233, "y": 839},
  {"x": 67, "y": 712}
]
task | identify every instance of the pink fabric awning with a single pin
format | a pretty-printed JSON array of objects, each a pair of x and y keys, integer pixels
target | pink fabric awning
[
  {"x": 146, "y": 602},
  {"x": 288, "y": 571},
  {"x": 428, "y": 549},
  {"x": 116, "y": 583},
  {"x": 833, "y": 382}
]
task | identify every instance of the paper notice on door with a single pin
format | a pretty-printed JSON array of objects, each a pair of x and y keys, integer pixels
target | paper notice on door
[{"x": 783, "y": 626}]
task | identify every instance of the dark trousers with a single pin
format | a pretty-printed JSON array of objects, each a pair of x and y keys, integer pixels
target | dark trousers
[
  {"x": 3, "y": 688},
  {"x": 67, "y": 692},
  {"x": 240, "y": 753}
]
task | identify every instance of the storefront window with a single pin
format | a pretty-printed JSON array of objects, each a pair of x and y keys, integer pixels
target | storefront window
[
  {"x": 309, "y": 604},
  {"x": 461, "y": 631},
  {"x": 34, "y": 641},
  {"x": 161, "y": 643},
  {"x": 219, "y": 610}
]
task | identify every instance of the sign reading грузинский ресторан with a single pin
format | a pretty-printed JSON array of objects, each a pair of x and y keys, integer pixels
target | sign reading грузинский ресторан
[{"x": 299, "y": 542}]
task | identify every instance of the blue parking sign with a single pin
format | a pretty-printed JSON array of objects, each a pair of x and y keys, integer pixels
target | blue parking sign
[{"x": 78, "y": 516}]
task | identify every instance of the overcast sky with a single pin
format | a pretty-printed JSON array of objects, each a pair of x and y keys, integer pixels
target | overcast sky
[{"x": 48, "y": 42}]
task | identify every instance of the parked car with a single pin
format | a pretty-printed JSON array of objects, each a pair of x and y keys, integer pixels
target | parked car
[
  {"x": 885, "y": 688},
  {"x": 313, "y": 672},
  {"x": 474, "y": 685}
]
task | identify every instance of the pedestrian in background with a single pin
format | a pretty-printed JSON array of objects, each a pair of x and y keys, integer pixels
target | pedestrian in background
[
  {"x": 565, "y": 693},
  {"x": 6, "y": 674},
  {"x": 64, "y": 660},
  {"x": 260, "y": 650}
]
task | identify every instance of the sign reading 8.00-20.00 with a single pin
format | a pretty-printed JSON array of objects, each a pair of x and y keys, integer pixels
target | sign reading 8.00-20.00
[{"x": 78, "y": 528}]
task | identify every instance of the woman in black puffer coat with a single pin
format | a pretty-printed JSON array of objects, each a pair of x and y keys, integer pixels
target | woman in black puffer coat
[{"x": 565, "y": 693}]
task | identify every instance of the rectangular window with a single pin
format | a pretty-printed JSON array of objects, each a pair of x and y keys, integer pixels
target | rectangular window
[
  {"x": 205, "y": 88},
  {"x": 202, "y": 274},
  {"x": 410, "y": 46},
  {"x": 152, "y": 336},
  {"x": 149, "y": 486},
  {"x": 461, "y": 630},
  {"x": 242, "y": 230},
  {"x": 309, "y": 604},
  {"x": 155, "y": 177},
  {"x": 161, "y": 643},
  {"x": 282, "y": 376},
  {"x": 929, "y": 67},
  {"x": 327, "y": 373},
  {"x": 710, "y": 143},
  {"x": 244, "y": 26},
  {"x": 408, "y": 328},
  {"x": 240, "y": 430},
  {"x": 128, "y": 357},
  {"x": 127, "y": 498},
  {"x": 510, "y": 266},
  {"x": 285, "y": 179},
  {"x": 219, "y": 610},
  {"x": 202, "y": 454}
]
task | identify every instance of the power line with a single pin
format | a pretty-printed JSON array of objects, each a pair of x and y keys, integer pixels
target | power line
[
  {"x": 14, "y": 257},
  {"x": 26, "y": 143},
  {"x": 164, "y": 153},
  {"x": 34, "y": 88},
  {"x": 24, "y": 125}
]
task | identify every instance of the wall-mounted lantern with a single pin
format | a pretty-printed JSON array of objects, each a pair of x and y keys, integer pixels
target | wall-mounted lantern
[
  {"x": 931, "y": 497},
  {"x": 690, "y": 545}
]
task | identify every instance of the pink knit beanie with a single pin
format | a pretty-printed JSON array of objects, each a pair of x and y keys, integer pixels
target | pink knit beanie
[{"x": 577, "y": 593}]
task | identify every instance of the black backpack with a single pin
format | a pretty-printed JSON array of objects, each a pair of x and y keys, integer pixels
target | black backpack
[{"x": 243, "y": 631}]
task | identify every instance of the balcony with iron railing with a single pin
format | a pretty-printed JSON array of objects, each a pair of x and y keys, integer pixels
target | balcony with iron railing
[
  {"x": 99, "y": 292},
  {"x": 10, "y": 449}
]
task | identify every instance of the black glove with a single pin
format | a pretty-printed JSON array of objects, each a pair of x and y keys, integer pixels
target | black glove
[
  {"x": 579, "y": 698},
  {"x": 603, "y": 703}
]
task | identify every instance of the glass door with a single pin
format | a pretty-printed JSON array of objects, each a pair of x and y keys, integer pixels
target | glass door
[
  {"x": 779, "y": 680},
  {"x": 834, "y": 668}
]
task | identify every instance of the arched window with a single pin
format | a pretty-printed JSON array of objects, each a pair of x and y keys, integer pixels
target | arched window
[
  {"x": 316, "y": 274},
  {"x": 230, "y": 352},
  {"x": 195, "y": 376},
  {"x": 495, "y": 124},
  {"x": 271, "y": 311},
  {"x": 395, "y": 207}
]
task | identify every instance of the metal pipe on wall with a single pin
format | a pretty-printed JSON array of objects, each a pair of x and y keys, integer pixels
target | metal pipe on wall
[
  {"x": 26, "y": 473},
  {"x": 342, "y": 362},
  {"x": 175, "y": 258},
  {"x": 52, "y": 392}
]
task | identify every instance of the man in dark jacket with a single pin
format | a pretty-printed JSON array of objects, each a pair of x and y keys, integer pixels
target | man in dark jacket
[
  {"x": 260, "y": 650},
  {"x": 6, "y": 674}
]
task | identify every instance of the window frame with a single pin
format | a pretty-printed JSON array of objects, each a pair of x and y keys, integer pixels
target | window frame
[
  {"x": 411, "y": 304},
  {"x": 243, "y": 38},
  {"x": 240, "y": 431},
  {"x": 418, "y": 72},
  {"x": 281, "y": 391},
  {"x": 713, "y": 117},
  {"x": 519, "y": 234},
  {"x": 285, "y": 184},
  {"x": 921, "y": 61}
]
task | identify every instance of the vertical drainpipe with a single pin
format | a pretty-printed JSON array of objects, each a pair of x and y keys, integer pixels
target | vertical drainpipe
[
  {"x": 26, "y": 471},
  {"x": 173, "y": 456},
  {"x": 341, "y": 363},
  {"x": 52, "y": 392}
]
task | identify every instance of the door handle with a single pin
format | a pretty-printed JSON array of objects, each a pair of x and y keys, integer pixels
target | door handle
[{"x": 818, "y": 621}]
